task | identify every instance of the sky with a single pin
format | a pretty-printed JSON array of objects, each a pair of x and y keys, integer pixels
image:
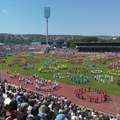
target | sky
[{"x": 67, "y": 17}]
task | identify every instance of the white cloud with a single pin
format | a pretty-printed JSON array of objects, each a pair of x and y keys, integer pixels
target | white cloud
[{"x": 5, "y": 11}]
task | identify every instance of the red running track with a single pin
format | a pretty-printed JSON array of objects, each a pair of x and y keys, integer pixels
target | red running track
[{"x": 111, "y": 107}]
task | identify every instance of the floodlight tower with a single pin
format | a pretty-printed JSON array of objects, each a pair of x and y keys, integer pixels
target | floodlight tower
[{"x": 47, "y": 15}]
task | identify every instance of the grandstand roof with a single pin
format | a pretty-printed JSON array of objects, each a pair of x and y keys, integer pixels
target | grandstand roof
[{"x": 98, "y": 44}]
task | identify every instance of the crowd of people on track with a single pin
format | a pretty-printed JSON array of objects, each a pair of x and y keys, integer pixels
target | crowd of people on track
[
  {"x": 96, "y": 96},
  {"x": 17, "y": 103},
  {"x": 41, "y": 84}
]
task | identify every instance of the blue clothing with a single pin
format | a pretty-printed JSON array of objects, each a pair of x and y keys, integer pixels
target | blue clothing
[{"x": 42, "y": 115}]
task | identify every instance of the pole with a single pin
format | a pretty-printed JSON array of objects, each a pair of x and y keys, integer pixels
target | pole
[{"x": 47, "y": 31}]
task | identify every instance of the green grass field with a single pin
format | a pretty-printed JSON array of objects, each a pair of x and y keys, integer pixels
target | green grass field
[{"x": 111, "y": 88}]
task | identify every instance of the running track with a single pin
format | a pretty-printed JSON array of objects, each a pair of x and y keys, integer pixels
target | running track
[{"x": 110, "y": 107}]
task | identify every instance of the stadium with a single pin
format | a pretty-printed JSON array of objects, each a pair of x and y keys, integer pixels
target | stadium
[
  {"x": 65, "y": 69},
  {"x": 89, "y": 77}
]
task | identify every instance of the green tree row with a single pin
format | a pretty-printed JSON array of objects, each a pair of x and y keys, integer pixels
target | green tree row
[{"x": 27, "y": 39}]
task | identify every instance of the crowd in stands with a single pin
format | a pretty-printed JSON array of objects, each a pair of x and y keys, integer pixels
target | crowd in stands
[
  {"x": 98, "y": 49},
  {"x": 17, "y": 103},
  {"x": 63, "y": 52},
  {"x": 18, "y": 48},
  {"x": 37, "y": 48}
]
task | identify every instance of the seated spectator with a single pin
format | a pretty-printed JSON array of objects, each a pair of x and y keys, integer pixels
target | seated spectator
[
  {"x": 21, "y": 104},
  {"x": 41, "y": 113}
]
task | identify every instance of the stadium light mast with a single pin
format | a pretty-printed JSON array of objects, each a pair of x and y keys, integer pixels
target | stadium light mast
[{"x": 47, "y": 15}]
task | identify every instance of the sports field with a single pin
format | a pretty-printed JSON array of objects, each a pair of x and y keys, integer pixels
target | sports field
[{"x": 95, "y": 71}]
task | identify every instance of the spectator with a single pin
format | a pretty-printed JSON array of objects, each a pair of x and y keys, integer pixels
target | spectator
[{"x": 41, "y": 113}]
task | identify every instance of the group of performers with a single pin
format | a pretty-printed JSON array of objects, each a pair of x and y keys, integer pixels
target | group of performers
[
  {"x": 96, "y": 96},
  {"x": 46, "y": 85},
  {"x": 41, "y": 84}
]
